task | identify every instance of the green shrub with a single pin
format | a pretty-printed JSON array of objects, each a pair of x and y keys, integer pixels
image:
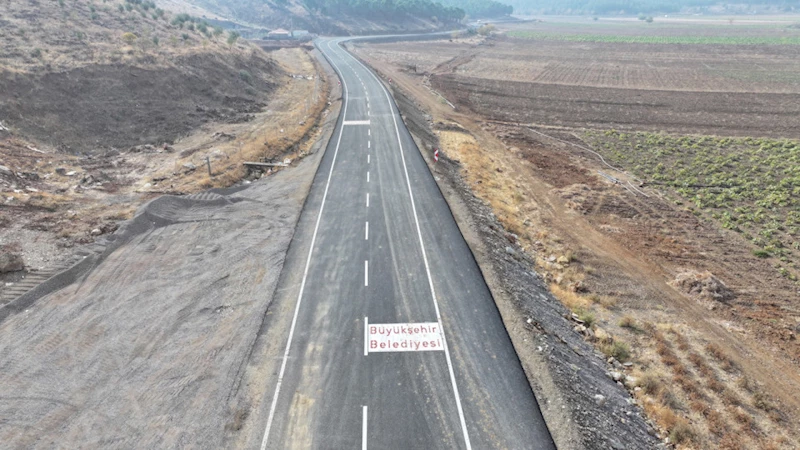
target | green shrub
[
  {"x": 619, "y": 350},
  {"x": 761, "y": 253},
  {"x": 233, "y": 37},
  {"x": 245, "y": 76}
]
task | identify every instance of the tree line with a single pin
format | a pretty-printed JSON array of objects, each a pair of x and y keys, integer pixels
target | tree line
[
  {"x": 481, "y": 8},
  {"x": 628, "y": 6}
]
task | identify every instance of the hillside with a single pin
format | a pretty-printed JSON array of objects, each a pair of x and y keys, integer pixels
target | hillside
[
  {"x": 332, "y": 17},
  {"x": 105, "y": 105},
  {"x": 85, "y": 76}
]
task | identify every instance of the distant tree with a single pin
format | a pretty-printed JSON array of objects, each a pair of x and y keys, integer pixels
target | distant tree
[
  {"x": 233, "y": 36},
  {"x": 185, "y": 37},
  {"x": 218, "y": 31},
  {"x": 649, "y": 19},
  {"x": 642, "y": 17},
  {"x": 486, "y": 30}
]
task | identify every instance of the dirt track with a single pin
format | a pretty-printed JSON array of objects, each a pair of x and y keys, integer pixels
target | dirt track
[{"x": 147, "y": 349}]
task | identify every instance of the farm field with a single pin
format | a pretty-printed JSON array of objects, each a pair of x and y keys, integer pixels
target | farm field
[{"x": 655, "y": 185}]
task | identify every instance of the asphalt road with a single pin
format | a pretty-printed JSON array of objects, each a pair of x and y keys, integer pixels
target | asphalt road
[{"x": 383, "y": 248}]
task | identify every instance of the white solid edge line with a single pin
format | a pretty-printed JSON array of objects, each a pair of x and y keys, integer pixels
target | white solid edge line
[
  {"x": 364, "y": 429},
  {"x": 424, "y": 259},
  {"x": 366, "y": 336},
  {"x": 305, "y": 272}
]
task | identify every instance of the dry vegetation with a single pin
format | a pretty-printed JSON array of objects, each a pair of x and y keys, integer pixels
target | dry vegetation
[
  {"x": 46, "y": 35},
  {"x": 708, "y": 326}
]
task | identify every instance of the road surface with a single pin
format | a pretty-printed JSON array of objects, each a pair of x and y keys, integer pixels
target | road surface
[{"x": 392, "y": 339}]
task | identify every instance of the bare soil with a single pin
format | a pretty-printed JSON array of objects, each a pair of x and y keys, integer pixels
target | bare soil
[{"x": 704, "y": 370}]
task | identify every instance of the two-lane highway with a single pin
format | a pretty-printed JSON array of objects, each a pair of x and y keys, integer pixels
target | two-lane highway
[{"x": 394, "y": 339}]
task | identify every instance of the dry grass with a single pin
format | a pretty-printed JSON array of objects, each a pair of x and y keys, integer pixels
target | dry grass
[
  {"x": 629, "y": 322},
  {"x": 287, "y": 130},
  {"x": 726, "y": 363},
  {"x": 650, "y": 383},
  {"x": 682, "y": 432},
  {"x": 617, "y": 349},
  {"x": 573, "y": 301}
]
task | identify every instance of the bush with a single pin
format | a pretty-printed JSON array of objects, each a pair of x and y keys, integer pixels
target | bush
[
  {"x": 650, "y": 384},
  {"x": 232, "y": 38},
  {"x": 761, "y": 253},
  {"x": 245, "y": 76},
  {"x": 681, "y": 433},
  {"x": 155, "y": 40},
  {"x": 486, "y": 30},
  {"x": 628, "y": 322},
  {"x": 619, "y": 350},
  {"x": 36, "y": 53},
  {"x": 185, "y": 37},
  {"x": 129, "y": 38},
  {"x": 587, "y": 317}
]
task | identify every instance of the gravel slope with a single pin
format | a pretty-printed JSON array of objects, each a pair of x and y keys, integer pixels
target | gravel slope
[{"x": 144, "y": 344}]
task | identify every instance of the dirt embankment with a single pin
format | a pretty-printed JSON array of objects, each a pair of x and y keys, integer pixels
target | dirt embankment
[
  {"x": 101, "y": 107},
  {"x": 583, "y": 405}
]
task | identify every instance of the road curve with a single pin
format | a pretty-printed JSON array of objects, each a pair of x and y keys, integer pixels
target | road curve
[{"x": 385, "y": 249}]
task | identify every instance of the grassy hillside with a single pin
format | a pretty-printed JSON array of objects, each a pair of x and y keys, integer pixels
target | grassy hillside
[
  {"x": 85, "y": 75},
  {"x": 331, "y": 16}
]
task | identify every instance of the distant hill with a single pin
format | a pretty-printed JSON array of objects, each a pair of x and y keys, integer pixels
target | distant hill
[
  {"x": 649, "y": 6},
  {"x": 331, "y": 16}
]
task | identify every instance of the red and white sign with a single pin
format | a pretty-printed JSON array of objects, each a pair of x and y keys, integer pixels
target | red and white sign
[
  {"x": 436, "y": 155},
  {"x": 402, "y": 337}
]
